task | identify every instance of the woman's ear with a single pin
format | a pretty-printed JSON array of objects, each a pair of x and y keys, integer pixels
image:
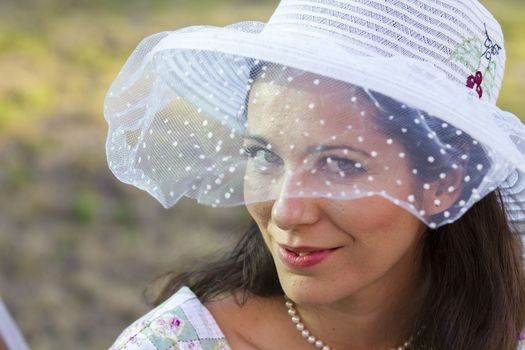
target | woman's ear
[{"x": 443, "y": 192}]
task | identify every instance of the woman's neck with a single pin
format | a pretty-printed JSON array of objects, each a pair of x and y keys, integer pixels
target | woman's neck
[
  {"x": 381, "y": 316},
  {"x": 361, "y": 324}
]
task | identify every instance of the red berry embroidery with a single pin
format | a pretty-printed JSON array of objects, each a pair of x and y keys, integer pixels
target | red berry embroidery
[
  {"x": 471, "y": 81},
  {"x": 476, "y": 80},
  {"x": 479, "y": 90}
]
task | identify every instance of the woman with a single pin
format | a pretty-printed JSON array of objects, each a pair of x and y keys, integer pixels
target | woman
[{"x": 385, "y": 186}]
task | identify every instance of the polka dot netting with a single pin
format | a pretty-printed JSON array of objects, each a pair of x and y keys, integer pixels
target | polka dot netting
[{"x": 253, "y": 131}]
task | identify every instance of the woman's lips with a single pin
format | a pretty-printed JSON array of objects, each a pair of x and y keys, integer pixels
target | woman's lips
[{"x": 301, "y": 257}]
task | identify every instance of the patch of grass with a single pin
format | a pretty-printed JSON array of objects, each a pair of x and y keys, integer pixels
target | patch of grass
[
  {"x": 132, "y": 236},
  {"x": 16, "y": 38},
  {"x": 18, "y": 176},
  {"x": 20, "y": 108},
  {"x": 122, "y": 213},
  {"x": 85, "y": 206}
]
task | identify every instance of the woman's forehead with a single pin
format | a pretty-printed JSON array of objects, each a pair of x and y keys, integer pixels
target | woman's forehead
[
  {"x": 293, "y": 84},
  {"x": 307, "y": 107}
]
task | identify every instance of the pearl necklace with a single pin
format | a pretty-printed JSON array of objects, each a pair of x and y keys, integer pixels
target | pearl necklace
[{"x": 317, "y": 342}]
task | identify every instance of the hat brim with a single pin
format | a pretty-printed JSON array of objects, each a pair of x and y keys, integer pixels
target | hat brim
[{"x": 418, "y": 84}]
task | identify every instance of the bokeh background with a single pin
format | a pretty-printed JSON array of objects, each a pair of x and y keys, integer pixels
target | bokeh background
[{"x": 77, "y": 248}]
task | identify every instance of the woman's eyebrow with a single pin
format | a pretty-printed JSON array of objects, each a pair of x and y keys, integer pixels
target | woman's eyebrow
[
  {"x": 313, "y": 149},
  {"x": 257, "y": 138},
  {"x": 323, "y": 148}
]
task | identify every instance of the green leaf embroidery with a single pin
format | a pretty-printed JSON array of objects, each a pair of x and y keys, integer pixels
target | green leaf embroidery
[
  {"x": 468, "y": 53},
  {"x": 488, "y": 78}
]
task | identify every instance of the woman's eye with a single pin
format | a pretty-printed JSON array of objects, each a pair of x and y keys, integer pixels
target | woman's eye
[
  {"x": 344, "y": 166},
  {"x": 262, "y": 155}
]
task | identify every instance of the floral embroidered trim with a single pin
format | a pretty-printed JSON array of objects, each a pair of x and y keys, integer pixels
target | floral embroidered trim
[{"x": 471, "y": 53}]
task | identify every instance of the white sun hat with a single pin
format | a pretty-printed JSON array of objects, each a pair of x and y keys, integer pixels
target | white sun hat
[{"x": 329, "y": 99}]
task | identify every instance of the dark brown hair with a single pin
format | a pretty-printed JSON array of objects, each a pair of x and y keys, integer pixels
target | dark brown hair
[{"x": 473, "y": 267}]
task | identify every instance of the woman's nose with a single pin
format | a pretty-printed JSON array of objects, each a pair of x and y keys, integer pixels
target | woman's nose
[{"x": 294, "y": 207}]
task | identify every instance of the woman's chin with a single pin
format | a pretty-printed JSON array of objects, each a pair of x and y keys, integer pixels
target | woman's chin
[{"x": 309, "y": 291}]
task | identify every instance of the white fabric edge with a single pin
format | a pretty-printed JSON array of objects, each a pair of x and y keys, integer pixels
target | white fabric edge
[{"x": 10, "y": 332}]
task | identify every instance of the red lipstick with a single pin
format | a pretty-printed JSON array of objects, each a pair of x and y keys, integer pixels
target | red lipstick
[{"x": 300, "y": 257}]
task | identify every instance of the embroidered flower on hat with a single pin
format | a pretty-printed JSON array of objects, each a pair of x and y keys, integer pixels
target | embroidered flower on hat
[
  {"x": 476, "y": 81},
  {"x": 473, "y": 52}
]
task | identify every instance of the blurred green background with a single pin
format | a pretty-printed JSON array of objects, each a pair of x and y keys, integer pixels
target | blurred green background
[{"x": 76, "y": 246}]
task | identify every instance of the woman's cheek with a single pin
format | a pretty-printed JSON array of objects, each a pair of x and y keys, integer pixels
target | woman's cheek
[{"x": 367, "y": 214}]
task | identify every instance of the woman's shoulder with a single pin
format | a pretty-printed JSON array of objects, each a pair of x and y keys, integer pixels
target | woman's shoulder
[
  {"x": 180, "y": 322},
  {"x": 244, "y": 319}
]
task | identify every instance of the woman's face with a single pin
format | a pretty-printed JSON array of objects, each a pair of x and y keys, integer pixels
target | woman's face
[{"x": 327, "y": 249}]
